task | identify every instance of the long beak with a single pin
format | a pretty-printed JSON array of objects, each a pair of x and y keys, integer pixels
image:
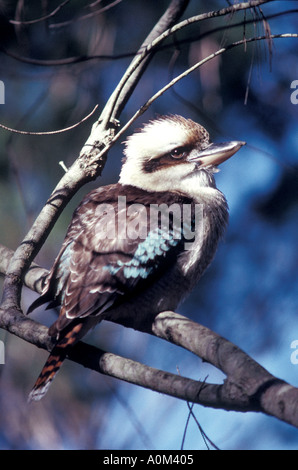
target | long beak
[{"x": 215, "y": 154}]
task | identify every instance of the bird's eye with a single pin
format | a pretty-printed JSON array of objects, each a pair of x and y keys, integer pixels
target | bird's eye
[{"x": 178, "y": 153}]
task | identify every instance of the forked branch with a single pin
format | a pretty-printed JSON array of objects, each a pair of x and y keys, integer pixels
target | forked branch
[
  {"x": 85, "y": 168},
  {"x": 247, "y": 387}
]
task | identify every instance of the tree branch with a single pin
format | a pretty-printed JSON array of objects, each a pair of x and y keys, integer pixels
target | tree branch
[
  {"x": 186, "y": 72},
  {"x": 43, "y": 18},
  {"x": 127, "y": 84},
  {"x": 87, "y": 166},
  {"x": 59, "y": 131},
  {"x": 247, "y": 387}
]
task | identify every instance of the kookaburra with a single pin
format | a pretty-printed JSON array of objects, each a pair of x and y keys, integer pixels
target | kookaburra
[{"x": 114, "y": 264}]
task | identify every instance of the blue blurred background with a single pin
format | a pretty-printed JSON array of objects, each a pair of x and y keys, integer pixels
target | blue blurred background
[{"x": 248, "y": 295}]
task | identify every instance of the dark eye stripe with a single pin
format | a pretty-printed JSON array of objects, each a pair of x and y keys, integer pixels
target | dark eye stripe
[{"x": 168, "y": 159}]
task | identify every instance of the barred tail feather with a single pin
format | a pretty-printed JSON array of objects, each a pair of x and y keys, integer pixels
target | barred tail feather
[
  {"x": 47, "y": 375},
  {"x": 54, "y": 362}
]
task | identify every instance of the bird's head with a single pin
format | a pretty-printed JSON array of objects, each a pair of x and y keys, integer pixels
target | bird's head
[{"x": 172, "y": 153}]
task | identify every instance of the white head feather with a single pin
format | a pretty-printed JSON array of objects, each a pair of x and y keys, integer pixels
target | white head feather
[{"x": 157, "y": 139}]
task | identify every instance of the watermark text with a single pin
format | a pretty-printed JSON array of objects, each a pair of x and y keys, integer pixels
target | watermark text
[
  {"x": 294, "y": 94},
  {"x": 294, "y": 355},
  {"x": 2, "y": 353},
  {"x": 2, "y": 92},
  {"x": 161, "y": 221}
]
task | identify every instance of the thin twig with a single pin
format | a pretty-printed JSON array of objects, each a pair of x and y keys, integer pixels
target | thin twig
[
  {"x": 83, "y": 58},
  {"x": 206, "y": 439},
  {"x": 59, "y": 131},
  {"x": 42, "y": 18},
  {"x": 184, "y": 74},
  {"x": 85, "y": 17}
]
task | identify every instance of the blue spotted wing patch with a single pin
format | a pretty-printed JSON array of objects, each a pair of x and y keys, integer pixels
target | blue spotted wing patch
[{"x": 147, "y": 257}]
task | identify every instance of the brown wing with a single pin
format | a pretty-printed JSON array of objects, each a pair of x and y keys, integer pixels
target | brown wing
[{"x": 99, "y": 264}]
